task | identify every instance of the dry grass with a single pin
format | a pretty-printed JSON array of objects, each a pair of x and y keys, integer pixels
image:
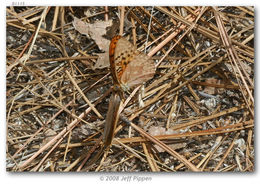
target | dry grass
[{"x": 198, "y": 112}]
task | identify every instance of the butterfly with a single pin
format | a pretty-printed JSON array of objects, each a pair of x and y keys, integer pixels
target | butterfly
[{"x": 129, "y": 67}]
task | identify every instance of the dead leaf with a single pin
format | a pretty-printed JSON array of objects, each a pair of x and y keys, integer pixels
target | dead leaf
[
  {"x": 102, "y": 61},
  {"x": 96, "y": 31},
  {"x": 211, "y": 90}
]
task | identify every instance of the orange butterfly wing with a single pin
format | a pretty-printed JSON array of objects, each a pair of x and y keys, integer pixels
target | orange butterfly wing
[{"x": 129, "y": 67}]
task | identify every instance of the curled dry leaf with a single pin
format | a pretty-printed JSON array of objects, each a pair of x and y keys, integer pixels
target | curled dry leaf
[
  {"x": 96, "y": 31},
  {"x": 157, "y": 131},
  {"x": 49, "y": 133}
]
